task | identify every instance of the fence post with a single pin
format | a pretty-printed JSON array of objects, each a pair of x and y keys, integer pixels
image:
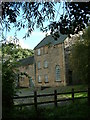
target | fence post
[
  {"x": 73, "y": 94},
  {"x": 35, "y": 99},
  {"x": 55, "y": 97}
]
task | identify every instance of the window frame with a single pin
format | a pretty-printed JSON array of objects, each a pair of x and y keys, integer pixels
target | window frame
[
  {"x": 57, "y": 73},
  {"x": 39, "y": 52},
  {"x": 46, "y": 49},
  {"x": 45, "y": 64},
  {"x": 39, "y": 65},
  {"x": 46, "y": 78},
  {"x": 39, "y": 79}
]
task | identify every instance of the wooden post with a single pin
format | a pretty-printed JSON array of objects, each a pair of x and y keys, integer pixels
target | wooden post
[
  {"x": 35, "y": 99},
  {"x": 55, "y": 97},
  {"x": 73, "y": 94}
]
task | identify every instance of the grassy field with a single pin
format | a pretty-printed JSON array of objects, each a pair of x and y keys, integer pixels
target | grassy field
[
  {"x": 78, "y": 109},
  {"x": 30, "y": 91}
]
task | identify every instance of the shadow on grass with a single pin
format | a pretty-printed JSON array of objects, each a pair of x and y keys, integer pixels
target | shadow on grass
[{"x": 78, "y": 109}]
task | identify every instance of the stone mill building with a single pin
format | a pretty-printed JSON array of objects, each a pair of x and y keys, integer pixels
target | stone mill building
[{"x": 47, "y": 68}]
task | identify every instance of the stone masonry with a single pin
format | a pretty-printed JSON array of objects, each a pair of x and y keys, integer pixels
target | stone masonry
[{"x": 47, "y": 66}]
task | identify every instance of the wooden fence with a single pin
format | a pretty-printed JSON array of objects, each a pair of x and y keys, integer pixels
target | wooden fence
[{"x": 55, "y": 95}]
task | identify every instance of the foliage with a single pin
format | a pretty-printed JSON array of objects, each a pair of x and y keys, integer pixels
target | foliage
[
  {"x": 15, "y": 52},
  {"x": 73, "y": 18},
  {"x": 79, "y": 56},
  {"x": 78, "y": 109},
  {"x": 8, "y": 77},
  {"x": 11, "y": 53}
]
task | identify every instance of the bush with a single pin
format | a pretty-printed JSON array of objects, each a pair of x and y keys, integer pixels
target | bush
[{"x": 8, "y": 92}]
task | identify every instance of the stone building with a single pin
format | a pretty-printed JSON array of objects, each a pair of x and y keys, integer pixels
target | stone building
[
  {"x": 26, "y": 66},
  {"x": 50, "y": 63},
  {"x": 49, "y": 66}
]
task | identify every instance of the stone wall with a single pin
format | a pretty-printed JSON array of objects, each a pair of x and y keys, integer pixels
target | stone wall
[
  {"x": 54, "y": 55},
  {"x": 25, "y": 81}
]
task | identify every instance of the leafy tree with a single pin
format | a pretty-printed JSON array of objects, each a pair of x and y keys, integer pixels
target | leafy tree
[
  {"x": 74, "y": 18},
  {"x": 15, "y": 52},
  {"x": 80, "y": 58},
  {"x": 11, "y": 52},
  {"x": 8, "y": 91},
  {"x": 86, "y": 37},
  {"x": 79, "y": 61}
]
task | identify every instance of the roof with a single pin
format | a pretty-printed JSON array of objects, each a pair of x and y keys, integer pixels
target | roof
[
  {"x": 27, "y": 61},
  {"x": 50, "y": 40}
]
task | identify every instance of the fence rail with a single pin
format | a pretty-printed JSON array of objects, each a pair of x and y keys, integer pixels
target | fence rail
[{"x": 55, "y": 96}]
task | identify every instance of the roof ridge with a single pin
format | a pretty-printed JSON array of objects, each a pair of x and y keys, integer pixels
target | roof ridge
[
  {"x": 27, "y": 57},
  {"x": 47, "y": 39},
  {"x": 42, "y": 40}
]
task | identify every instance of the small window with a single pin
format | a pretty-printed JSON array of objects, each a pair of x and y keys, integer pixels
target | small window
[
  {"x": 58, "y": 73},
  {"x": 39, "y": 65},
  {"x": 45, "y": 64},
  {"x": 43, "y": 50},
  {"x": 39, "y": 51},
  {"x": 39, "y": 79},
  {"x": 46, "y": 78},
  {"x": 46, "y": 50}
]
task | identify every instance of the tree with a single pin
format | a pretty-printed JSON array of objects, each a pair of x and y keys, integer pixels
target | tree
[
  {"x": 80, "y": 57},
  {"x": 86, "y": 37},
  {"x": 74, "y": 18},
  {"x": 11, "y": 52},
  {"x": 8, "y": 77},
  {"x": 15, "y": 52}
]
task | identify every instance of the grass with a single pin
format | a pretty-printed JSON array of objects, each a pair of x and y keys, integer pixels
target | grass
[
  {"x": 75, "y": 95},
  {"x": 73, "y": 110},
  {"x": 59, "y": 89},
  {"x": 51, "y": 90},
  {"x": 64, "y": 88},
  {"x": 78, "y": 109}
]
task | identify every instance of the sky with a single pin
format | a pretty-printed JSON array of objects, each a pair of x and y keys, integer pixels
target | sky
[
  {"x": 30, "y": 42},
  {"x": 35, "y": 37}
]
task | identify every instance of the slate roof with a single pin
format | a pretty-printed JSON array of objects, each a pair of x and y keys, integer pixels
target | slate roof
[
  {"x": 50, "y": 40},
  {"x": 26, "y": 61}
]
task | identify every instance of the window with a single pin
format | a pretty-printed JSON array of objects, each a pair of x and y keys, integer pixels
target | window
[
  {"x": 38, "y": 51},
  {"x": 46, "y": 49},
  {"x": 58, "y": 73},
  {"x": 45, "y": 64},
  {"x": 43, "y": 50},
  {"x": 39, "y": 79},
  {"x": 39, "y": 65},
  {"x": 46, "y": 78}
]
